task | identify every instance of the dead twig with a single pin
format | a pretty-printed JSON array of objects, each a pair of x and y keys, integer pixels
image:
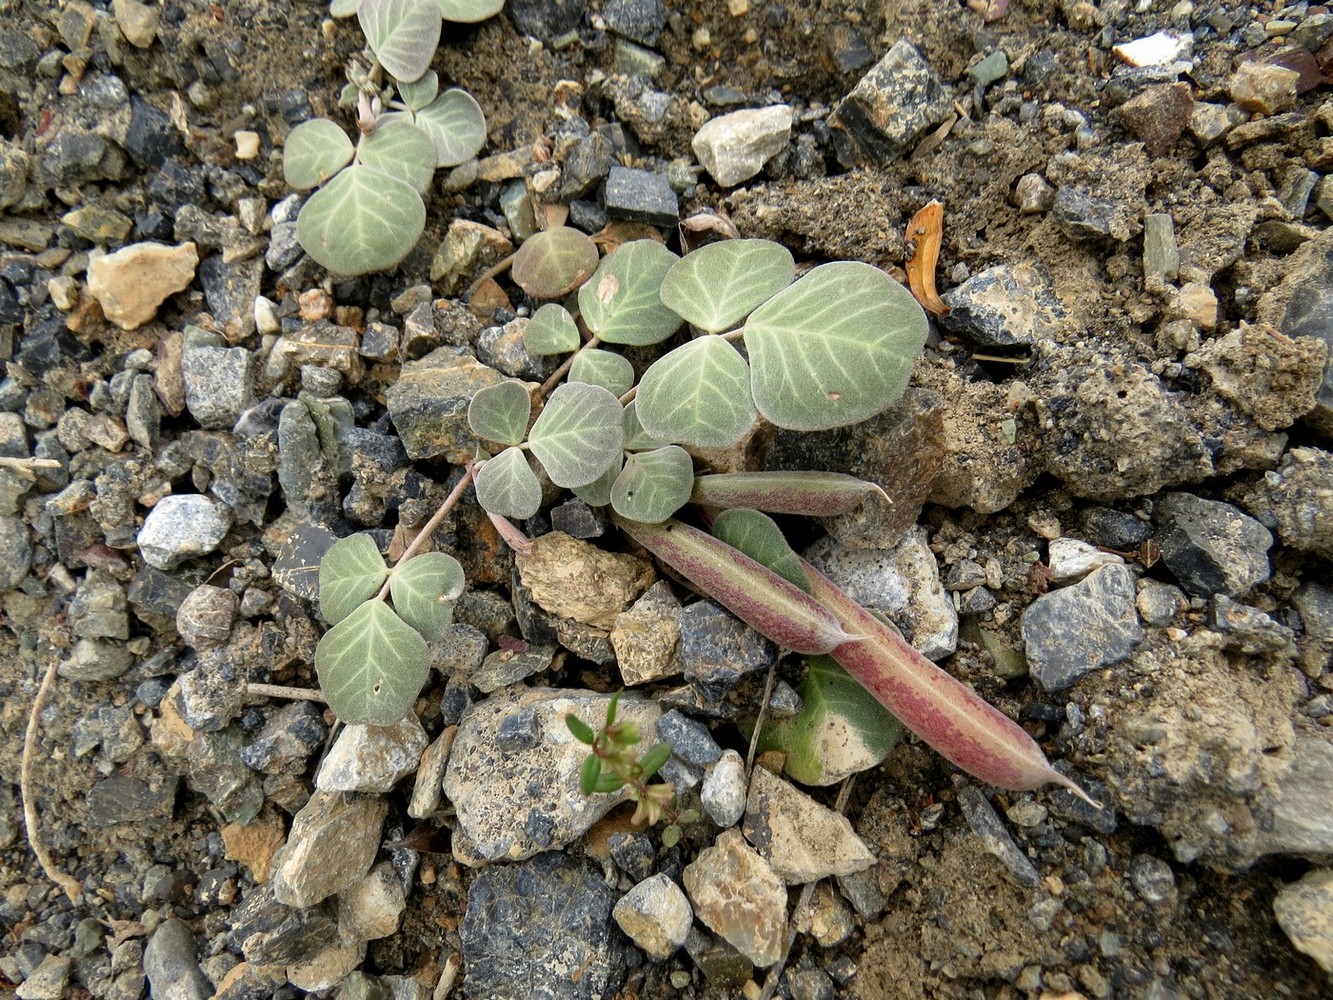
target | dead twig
[{"x": 73, "y": 888}]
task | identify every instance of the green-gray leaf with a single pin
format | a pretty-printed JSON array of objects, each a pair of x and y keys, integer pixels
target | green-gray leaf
[
  {"x": 838, "y": 732},
  {"x": 554, "y": 262},
  {"x": 598, "y": 492},
  {"x": 421, "y": 91},
  {"x": 551, "y": 331},
  {"x": 506, "y": 485},
  {"x": 833, "y": 349},
  {"x": 403, "y": 34},
  {"x": 469, "y": 11},
  {"x": 578, "y": 435},
  {"x": 343, "y": 8},
  {"x": 716, "y": 286},
  {"x": 315, "y": 151},
  {"x": 351, "y": 573},
  {"x": 361, "y": 221},
  {"x": 500, "y": 412},
  {"x": 759, "y": 537},
  {"x": 621, "y": 302},
  {"x": 612, "y": 372},
  {"x": 398, "y": 148},
  {"x": 654, "y": 484},
  {"x": 698, "y": 394},
  {"x": 636, "y": 438},
  {"x": 424, "y": 590},
  {"x": 371, "y": 666},
  {"x": 455, "y": 124}
]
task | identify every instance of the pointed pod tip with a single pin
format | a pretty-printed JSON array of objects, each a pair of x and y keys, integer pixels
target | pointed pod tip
[{"x": 1072, "y": 786}]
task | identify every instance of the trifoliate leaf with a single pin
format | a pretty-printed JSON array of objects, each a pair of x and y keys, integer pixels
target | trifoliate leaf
[
  {"x": 371, "y": 666},
  {"x": 351, "y": 573},
  {"x": 716, "y": 286},
  {"x": 636, "y": 438}
]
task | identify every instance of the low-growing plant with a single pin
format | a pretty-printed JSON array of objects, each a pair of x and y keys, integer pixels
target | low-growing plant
[
  {"x": 828, "y": 349},
  {"x": 613, "y": 763},
  {"x": 369, "y": 210}
]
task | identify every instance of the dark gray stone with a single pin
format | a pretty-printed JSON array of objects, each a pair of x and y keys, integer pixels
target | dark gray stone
[
  {"x": 518, "y": 730},
  {"x": 587, "y": 215},
  {"x": 98, "y": 609},
  {"x": 1152, "y": 878},
  {"x": 1211, "y": 547},
  {"x": 15, "y": 552},
  {"x": 641, "y": 21},
  {"x": 1083, "y": 214},
  {"x": 988, "y": 826},
  {"x": 170, "y": 964},
  {"x": 546, "y": 19},
  {"x": 633, "y": 853},
  {"x": 230, "y": 290},
  {"x": 289, "y": 736},
  {"x": 151, "y": 138},
  {"x": 578, "y": 520},
  {"x": 640, "y": 196},
  {"x": 284, "y": 249},
  {"x": 123, "y": 798},
  {"x": 690, "y": 740},
  {"x": 219, "y": 382},
  {"x": 181, "y": 527},
  {"x": 1078, "y": 629},
  {"x": 896, "y": 102},
  {"x": 587, "y": 163},
  {"x": 1114, "y": 529},
  {"x": 1249, "y": 629},
  {"x": 717, "y": 648},
  {"x": 268, "y": 932},
  {"x": 541, "y": 928},
  {"x": 1005, "y": 305},
  {"x": 428, "y": 404},
  {"x": 216, "y": 770}
]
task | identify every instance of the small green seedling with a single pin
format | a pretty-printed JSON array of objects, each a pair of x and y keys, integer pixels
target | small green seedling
[{"x": 613, "y": 763}]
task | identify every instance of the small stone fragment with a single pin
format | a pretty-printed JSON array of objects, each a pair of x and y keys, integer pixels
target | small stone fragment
[
  {"x": 370, "y": 909},
  {"x": 717, "y": 648},
  {"x": 1295, "y": 500},
  {"x": 1159, "y": 49},
  {"x": 1304, "y": 911},
  {"x": 133, "y": 282},
  {"x": 801, "y": 840},
  {"x": 1034, "y": 194},
  {"x": 170, "y": 963},
  {"x": 571, "y": 578},
  {"x": 640, "y": 196},
  {"x": 723, "y": 792},
  {"x": 734, "y": 147},
  {"x": 738, "y": 896},
  {"x": 428, "y": 405},
  {"x": 1264, "y": 87},
  {"x": 1157, "y": 115},
  {"x": 427, "y": 790},
  {"x": 1161, "y": 257},
  {"x": 51, "y": 978},
  {"x": 994, "y": 837},
  {"x": 1076, "y": 630},
  {"x": 1211, "y": 547},
  {"x": 372, "y": 758},
  {"x": 137, "y": 22},
  {"x": 656, "y": 916},
  {"x": 332, "y": 844},
  {"x": 1271, "y": 377},
  {"x": 182, "y": 527},
  {"x": 894, "y": 103},
  {"x": 1005, "y": 305},
  {"x": 254, "y": 844},
  {"x": 1071, "y": 560}
]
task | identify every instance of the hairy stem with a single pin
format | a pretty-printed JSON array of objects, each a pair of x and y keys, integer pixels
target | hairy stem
[
  {"x": 283, "y": 691},
  {"x": 565, "y": 365}
]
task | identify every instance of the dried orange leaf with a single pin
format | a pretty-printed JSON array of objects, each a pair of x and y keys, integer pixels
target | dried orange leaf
[{"x": 926, "y": 232}]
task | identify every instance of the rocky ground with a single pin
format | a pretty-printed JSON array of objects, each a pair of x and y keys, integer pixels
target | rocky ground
[{"x": 1114, "y": 517}]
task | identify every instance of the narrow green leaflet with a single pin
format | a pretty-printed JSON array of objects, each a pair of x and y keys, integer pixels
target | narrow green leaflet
[
  {"x": 421, "y": 91},
  {"x": 551, "y": 331},
  {"x": 400, "y": 149},
  {"x": 578, "y": 435},
  {"x": 833, "y": 349},
  {"x": 620, "y": 303},
  {"x": 716, "y": 286},
  {"x": 554, "y": 262},
  {"x": 598, "y": 492},
  {"x": 469, "y": 11},
  {"x": 654, "y": 484},
  {"x": 315, "y": 151},
  {"x": 424, "y": 590},
  {"x": 403, "y": 34},
  {"x": 500, "y": 412},
  {"x": 361, "y": 221},
  {"x": 371, "y": 666},
  {"x": 351, "y": 573},
  {"x": 455, "y": 123},
  {"x": 838, "y": 732},
  {"x": 612, "y": 372},
  {"x": 506, "y": 485},
  {"x": 636, "y": 438},
  {"x": 762, "y": 540},
  {"x": 697, "y": 394}
]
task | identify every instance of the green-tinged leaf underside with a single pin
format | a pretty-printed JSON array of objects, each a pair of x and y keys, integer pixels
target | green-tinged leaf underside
[
  {"x": 611, "y": 371},
  {"x": 715, "y": 287},
  {"x": 697, "y": 394},
  {"x": 838, "y": 731},
  {"x": 554, "y": 262},
  {"x": 421, "y": 91},
  {"x": 551, "y": 331},
  {"x": 578, "y": 435},
  {"x": 455, "y": 124},
  {"x": 814, "y": 494},
  {"x": 343, "y": 8},
  {"x": 653, "y": 485},
  {"x": 636, "y": 438},
  {"x": 351, "y": 573},
  {"x": 314, "y": 152},
  {"x": 833, "y": 349},
  {"x": 400, "y": 149},
  {"x": 506, "y": 485},
  {"x": 469, "y": 11},
  {"x": 371, "y": 666},
  {"x": 598, "y": 492},
  {"x": 361, "y": 221},
  {"x": 403, "y": 34},
  {"x": 762, "y": 540},
  {"x": 620, "y": 303},
  {"x": 424, "y": 590},
  {"x": 500, "y": 412}
]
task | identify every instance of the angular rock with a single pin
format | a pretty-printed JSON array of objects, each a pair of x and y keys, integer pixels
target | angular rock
[
  {"x": 739, "y": 897},
  {"x": 897, "y": 101},
  {"x": 541, "y": 928},
  {"x": 515, "y": 803},
  {"x": 1157, "y": 115},
  {"x": 1211, "y": 547},
  {"x": 428, "y": 789},
  {"x": 724, "y": 793},
  {"x": 1271, "y": 377},
  {"x": 182, "y": 527},
  {"x": 126, "y": 799},
  {"x": 656, "y": 916},
  {"x": 215, "y": 770},
  {"x": 372, "y": 758},
  {"x": 801, "y": 840},
  {"x": 902, "y": 582},
  {"x": 289, "y": 736},
  {"x": 268, "y": 932},
  {"x": 369, "y": 910},
  {"x": 717, "y": 648},
  {"x": 1079, "y": 629},
  {"x": 1295, "y": 501},
  {"x": 15, "y": 552},
  {"x": 994, "y": 837},
  {"x": 137, "y": 22},
  {"x": 641, "y": 21},
  {"x": 640, "y": 196},
  {"x": 329, "y": 967},
  {"x": 219, "y": 383},
  {"x": 1304, "y": 911},
  {"x": 51, "y": 978},
  {"x": 1264, "y": 87},
  {"x": 133, "y": 282},
  {"x": 1071, "y": 560},
  {"x": 1005, "y": 305},
  {"x": 690, "y": 740},
  {"x": 573, "y": 579},
  {"x": 734, "y": 147},
  {"x": 332, "y": 843},
  {"x": 428, "y": 405},
  {"x": 170, "y": 963},
  {"x": 646, "y": 637}
]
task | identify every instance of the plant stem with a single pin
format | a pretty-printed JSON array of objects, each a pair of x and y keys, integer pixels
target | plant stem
[
  {"x": 423, "y": 536},
  {"x": 494, "y": 271},
  {"x": 73, "y": 889},
  {"x": 626, "y": 399},
  {"x": 564, "y": 368}
]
